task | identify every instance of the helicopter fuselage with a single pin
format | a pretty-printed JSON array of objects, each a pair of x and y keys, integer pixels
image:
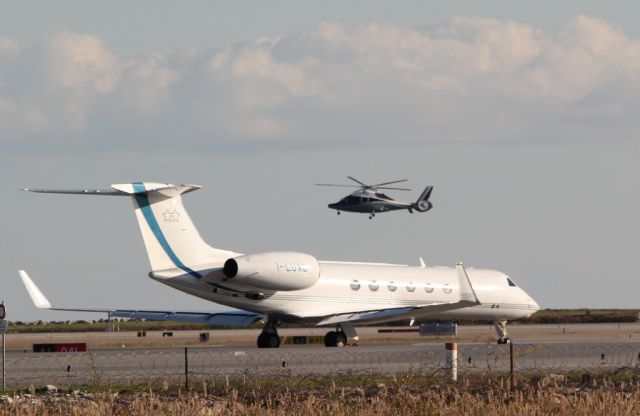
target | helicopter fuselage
[{"x": 368, "y": 202}]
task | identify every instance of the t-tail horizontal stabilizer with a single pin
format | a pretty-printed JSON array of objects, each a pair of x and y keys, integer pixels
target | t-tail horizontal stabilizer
[
  {"x": 229, "y": 318},
  {"x": 170, "y": 237}
]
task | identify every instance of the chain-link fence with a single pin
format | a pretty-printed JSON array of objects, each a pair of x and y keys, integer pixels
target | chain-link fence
[{"x": 144, "y": 366}]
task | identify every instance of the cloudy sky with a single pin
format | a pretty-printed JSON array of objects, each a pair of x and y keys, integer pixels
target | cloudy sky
[{"x": 524, "y": 118}]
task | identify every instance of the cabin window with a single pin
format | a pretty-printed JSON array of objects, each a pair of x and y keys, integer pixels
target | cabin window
[
  {"x": 392, "y": 287},
  {"x": 510, "y": 282},
  {"x": 411, "y": 287},
  {"x": 446, "y": 289},
  {"x": 428, "y": 288},
  {"x": 373, "y": 285},
  {"x": 355, "y": 285}
]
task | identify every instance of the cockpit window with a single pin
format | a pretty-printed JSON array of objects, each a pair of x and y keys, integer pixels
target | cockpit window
[
  {"x": 510, "y": 282},
  {"x": 350, "y": 200}
]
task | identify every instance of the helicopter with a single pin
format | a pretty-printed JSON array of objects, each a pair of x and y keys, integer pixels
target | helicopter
[{"x": 369, "y": 200}]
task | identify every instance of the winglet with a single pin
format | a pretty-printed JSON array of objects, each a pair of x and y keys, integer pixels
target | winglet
[
  {"x": 36, "y": 295},
  {"x": 466, "y": 288},
  {"x": 422, "y": 265}
]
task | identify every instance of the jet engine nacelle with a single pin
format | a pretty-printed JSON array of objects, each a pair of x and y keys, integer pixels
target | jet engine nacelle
[{"x": 274, "y": 271}]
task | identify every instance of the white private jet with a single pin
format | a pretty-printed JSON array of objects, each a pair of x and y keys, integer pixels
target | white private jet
[{"x": 295, "y": 287}]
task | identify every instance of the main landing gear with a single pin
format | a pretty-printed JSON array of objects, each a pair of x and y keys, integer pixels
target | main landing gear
[
  {"x": 339, "y": 337},
  {"x": 269, "y": 337},
  {"x": 373, "y": 214},
  {"x": 501, "y": 329},
  {"x": 335, "y": 339}
]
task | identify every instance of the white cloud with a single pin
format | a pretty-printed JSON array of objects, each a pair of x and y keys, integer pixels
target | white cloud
[
  {"x": 78, "y": 61},
  {"x": 469, "y": 79}
]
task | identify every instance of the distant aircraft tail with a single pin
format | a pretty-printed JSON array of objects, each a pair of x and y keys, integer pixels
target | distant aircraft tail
[
  {"x": 423, "y": 204},
  {"x": 171, "y": 239}
]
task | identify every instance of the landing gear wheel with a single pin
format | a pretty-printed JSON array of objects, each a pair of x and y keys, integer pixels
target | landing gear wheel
[
  {"x": 268, "y": 340},
  {"x": 335, "y": 339},
  {"x": 331, "y": 339},
  {"x": 338, "y": 212}
]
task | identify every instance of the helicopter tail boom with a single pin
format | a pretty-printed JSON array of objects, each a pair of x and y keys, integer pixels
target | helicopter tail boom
[{"x": 423, "y": 204}]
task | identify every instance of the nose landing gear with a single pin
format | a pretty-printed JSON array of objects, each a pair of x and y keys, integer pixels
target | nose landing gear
[
  {"x": 501, "y": 329},
  {"x": 269, "y": 337}
]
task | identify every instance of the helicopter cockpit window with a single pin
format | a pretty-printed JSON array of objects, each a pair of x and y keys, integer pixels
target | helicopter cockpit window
[{"x": 351, "y": 200}]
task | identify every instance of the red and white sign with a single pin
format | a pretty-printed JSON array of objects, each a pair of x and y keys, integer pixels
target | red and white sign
[{"x": 71, "y": 347}]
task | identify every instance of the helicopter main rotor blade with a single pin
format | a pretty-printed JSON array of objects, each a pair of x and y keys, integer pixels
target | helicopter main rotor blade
[
  {"x": 396, "y": 189},
  {"x": 344, "y": 186},
  {"x": 361, "y": 183},
  {"x": 389, "y": 183}
]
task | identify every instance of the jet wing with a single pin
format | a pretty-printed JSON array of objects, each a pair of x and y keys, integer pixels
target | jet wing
[
  {"x": 467, "y": 298},
  {"x": 230, "y": 318}
]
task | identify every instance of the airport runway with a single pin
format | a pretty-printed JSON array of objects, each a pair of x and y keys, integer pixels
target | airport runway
[
  {"x": 122, "y": 357},
  {"x": 368, "y": 335},
  {"x": 121, "y": 366}
]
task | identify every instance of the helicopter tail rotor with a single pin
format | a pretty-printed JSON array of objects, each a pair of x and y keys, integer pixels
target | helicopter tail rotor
[{"x": 423, "y": 204}]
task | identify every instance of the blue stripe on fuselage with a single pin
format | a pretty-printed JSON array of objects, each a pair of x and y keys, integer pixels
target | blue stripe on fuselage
[{"x": 143, "y": 202}]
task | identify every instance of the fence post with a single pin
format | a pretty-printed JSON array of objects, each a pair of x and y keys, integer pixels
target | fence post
[
  {"x": 511, "y": 372},
  {"x": 186, "y": 369},
  {"x": 451, "y": 359}
]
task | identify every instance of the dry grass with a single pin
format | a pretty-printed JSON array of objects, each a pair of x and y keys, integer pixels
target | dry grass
[{"x": 406, "y": 395}]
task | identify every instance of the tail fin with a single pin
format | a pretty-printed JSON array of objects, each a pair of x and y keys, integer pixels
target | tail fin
[
  {"x": 171, "y": 239},
  {"x": 423, "y": 204}
]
